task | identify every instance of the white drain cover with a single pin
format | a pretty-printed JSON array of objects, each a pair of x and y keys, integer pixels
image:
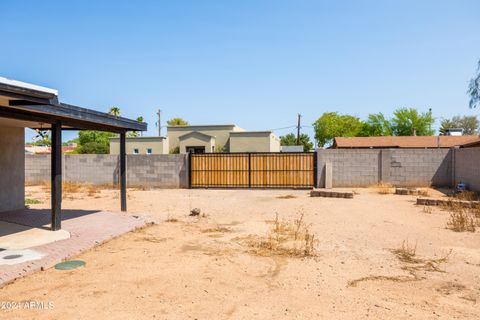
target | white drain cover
[{"x": 11, "y": 257}]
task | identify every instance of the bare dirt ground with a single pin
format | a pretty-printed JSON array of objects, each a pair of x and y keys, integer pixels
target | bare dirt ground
[{"x": 204, "y": 268}]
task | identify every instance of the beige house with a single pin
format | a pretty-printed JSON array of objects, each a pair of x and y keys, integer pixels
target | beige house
[
  {"x": 219, "y": 133},
  {"x": 254, "y": 141},
  {"x": 201, "y": 139},
  {"x": 220, "y": 138},
  {"x": 141, "y": 145}
]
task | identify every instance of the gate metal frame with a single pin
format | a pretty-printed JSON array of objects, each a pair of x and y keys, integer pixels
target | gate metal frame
[{"x": 249, "y": 186}]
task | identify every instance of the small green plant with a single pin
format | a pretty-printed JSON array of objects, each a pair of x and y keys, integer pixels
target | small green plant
[{"x": 32, "y": 201}]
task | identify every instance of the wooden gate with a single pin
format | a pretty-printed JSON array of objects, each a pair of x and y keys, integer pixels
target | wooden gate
[{"x": 252, "y": 170}]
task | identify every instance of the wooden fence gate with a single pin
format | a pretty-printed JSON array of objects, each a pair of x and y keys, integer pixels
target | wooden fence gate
[{"x": 253, "y": 170}]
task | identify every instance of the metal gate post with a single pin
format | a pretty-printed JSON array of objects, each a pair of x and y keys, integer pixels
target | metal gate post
[
  {"x": 189, "y": 159},
  {"x": 249, "y": 170}
]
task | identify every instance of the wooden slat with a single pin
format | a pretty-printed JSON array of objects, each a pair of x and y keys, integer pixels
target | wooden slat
[{"x": 267, "y": 170}]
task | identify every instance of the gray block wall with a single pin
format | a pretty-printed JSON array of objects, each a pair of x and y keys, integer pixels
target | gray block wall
[
  {"x": 350, "y": 168},
  {"x": 163, "y": 171},
  {"x": 467, "y": 167},
  {"x": 400, "y": 167}
]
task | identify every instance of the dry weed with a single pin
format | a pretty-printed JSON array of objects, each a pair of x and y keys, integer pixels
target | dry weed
[
  {"x": 413, "y": 263},
  {"x": 288, "y": 196},
  {"x": 216, "y": 229},
  {"x": 467, "y": 195},
  {"x": 424, "y": 193},
  {"x": 407, "y": 254},
  {"x": 69, "y": 188},
  {"x": 383, "y": 188},
  {"x": 291, "y": 238},
  {"x": 427, "y": 209},
  {"x": 462, "y": 218}
]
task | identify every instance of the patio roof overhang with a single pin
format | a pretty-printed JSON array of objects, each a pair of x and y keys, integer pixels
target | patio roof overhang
[
  {"x": 37, "y": 107},
  {"x": 22, "y": 101}
]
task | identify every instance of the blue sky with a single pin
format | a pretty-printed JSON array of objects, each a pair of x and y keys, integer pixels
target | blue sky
[{"x": 254, "y": 63}]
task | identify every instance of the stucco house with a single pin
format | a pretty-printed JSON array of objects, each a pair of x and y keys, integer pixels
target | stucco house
[
  {"x": 141, "y": 145},
  {"x": 220, "y": 138},
  {"x": 202, "y": 139}
]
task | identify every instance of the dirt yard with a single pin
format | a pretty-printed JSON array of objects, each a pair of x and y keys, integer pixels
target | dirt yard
[{"x": 222, "y": 265}]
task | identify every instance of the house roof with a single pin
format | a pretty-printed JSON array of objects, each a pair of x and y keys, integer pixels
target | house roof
[
  {"x": 250, "y": 133},
  {"x": 196, "y": 134},
  {"x": 38, "y": 107},
  {"x": 404, "y": 141},
  {"x": 201, "y": 126},
  {"x": 140, "y": 139}
]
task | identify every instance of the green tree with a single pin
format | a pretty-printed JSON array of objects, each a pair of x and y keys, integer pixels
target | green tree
[
  {"x": 175, "y": 122},
  {"x": 93, "y": 148},
  {"x": 405, "y": 120},
  {"x": 88, "y": 136},
  {"x": 291, "y": 140},
  {"x": 115, "y": 111},
  {"x": 474, "y": 89},
  {"x": 376, "y": 125},
  {"x": 332, "y": 124},
  {"x": 90, "y": 141},
  {"x": 469, "y": 124}
]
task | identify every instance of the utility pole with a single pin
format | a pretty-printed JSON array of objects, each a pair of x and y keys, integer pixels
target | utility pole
[
  {"x": 159, "y": 122},
  {"x": 298, "y": 129}
]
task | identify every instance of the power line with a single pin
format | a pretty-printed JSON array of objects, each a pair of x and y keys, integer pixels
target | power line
[{"x": 282, "y": 128}]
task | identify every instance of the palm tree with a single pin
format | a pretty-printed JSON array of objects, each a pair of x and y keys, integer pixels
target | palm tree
[
  {"x": 140, "y": 119},
  {"x": 474, "y": 89},
  {"x": 175, "y": 122},
  {"x": 115, "y": 111}
]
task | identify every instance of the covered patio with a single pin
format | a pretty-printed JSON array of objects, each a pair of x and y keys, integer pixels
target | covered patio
[{"x": 24, "y": 105}]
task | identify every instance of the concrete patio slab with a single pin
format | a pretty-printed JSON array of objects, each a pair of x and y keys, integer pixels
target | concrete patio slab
[
  {"x": 15, "y": 236},
  {"x": 87, "y": 229}
]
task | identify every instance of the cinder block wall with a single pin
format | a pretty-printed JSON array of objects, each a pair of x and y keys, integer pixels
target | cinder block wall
[
  {"x": 350, "y": 168},
  {"x": 467, "y": 167},
  {"x": 401, "y": 167},
  {"x": 163, "y": 171}
]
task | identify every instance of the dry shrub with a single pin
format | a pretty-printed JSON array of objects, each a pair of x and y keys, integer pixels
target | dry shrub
[
  {"x": 413, "y": 263},
  {"x": 71, "y": 187},
  {"x": 467, "y": 195},
  {"x": 462, "y": 218},
  {"x": 406, "y": 253},
  {"x": 383, "y": 188},
  {"x": 427, "y": 209},
  {"x": 291, "y": 238},
  {"x": 171, "y": 220},
  {"x": 423, "y": 193}
]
